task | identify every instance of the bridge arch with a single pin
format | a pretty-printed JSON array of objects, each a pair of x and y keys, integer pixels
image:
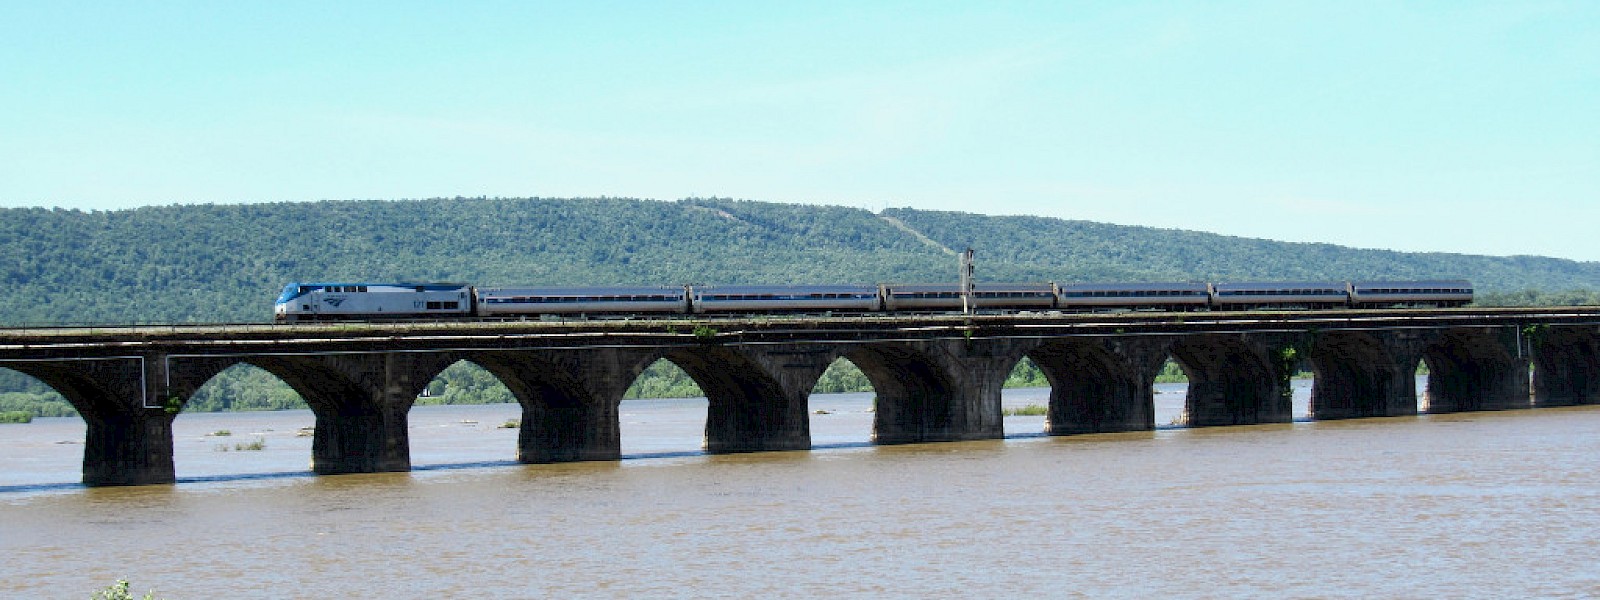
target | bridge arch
[
  {"x": 1476, "y": 369},
  {"x": 1232, "y": 381},
  {"x": 561, "y": 419},
  {"x": 1566, "y": 365},
  {"x": 360, "y": 422},
  {"x": 91, "y": 396},
  {"x": 1095, "y": 386},
  {"x": 128, "y": 433},
  {"x": 1357, "y": 375},
  {"x": 748, "y": 408},
  {"x": 916, "y": 397},
  {"x": 842, "y": 405}
]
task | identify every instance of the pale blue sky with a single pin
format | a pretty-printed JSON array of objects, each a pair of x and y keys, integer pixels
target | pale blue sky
[{"x": 1450, "y": 126}]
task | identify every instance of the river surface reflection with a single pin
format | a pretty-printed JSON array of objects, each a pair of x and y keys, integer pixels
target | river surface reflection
[{"x": 1464, "y": 505}]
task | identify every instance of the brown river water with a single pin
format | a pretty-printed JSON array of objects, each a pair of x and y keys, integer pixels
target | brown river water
[{"x": 1471, "y": 505}]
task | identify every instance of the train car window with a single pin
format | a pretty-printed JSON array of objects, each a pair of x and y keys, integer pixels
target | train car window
[
  {"x": 364, "y": 290},
  {"x": 421, "y": 289}
]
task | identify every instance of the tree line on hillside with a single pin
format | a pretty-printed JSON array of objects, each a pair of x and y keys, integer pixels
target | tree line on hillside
[{"x": 226, "y": 263}]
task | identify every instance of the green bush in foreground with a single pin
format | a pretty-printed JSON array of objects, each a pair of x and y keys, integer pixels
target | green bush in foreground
[{"x": 119, "y": 591}]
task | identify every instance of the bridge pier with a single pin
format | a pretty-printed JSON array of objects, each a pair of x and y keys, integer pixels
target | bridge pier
[
  {"x": 1566, "y": 365},
  {"x": 569, "y": 399},
  {"x": 1364, "y": 374},
  {"x": 1100, "y": 384},
  {"x": 756, "y": 397},
  {"x": 128, "y": 438},
  {"x": 128, "y": 448},
  {"x": 1235, "y": 379},
  {"x": 360, "y": 402},
  {"x": 1476, "y": 369},
  {"x": 937, "y": 390}
]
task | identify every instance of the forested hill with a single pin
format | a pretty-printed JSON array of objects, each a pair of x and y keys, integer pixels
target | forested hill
[
  {"x": 228, "y": 262},
  {"x": 1050, "y": 249}
]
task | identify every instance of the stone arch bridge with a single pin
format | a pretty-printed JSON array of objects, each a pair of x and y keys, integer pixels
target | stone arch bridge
[{"x": 937, "y": 378}]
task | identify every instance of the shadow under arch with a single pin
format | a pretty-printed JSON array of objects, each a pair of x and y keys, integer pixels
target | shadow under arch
[
  {"x": 748, "y": 408},
  {"x": 916, "y": 400},
  {"x": 1566, "y": 366},
  {"x": 1356, "y": 377},
  {"x": 562, "y": 419},
  {"x": 1477, "y": 369},
  {"x": 128, "y": 435},
  {"x": 1231, "y": 382},
  {"x": 355, "y": 431},
  {"x": 93, "y": 396},
  {"x": 1093, "y": 389}
]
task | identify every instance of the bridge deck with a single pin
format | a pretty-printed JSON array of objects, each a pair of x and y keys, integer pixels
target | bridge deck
[{"x": 246, "y": 338}]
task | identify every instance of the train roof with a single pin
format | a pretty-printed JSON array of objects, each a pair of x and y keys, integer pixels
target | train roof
[
  {"x": 765, "y": 289},
  {"x": 985, "y": 286},
  {"x": 632, "y": 290},
  {"x": 1421, "y": 283},
  {"x": 1138, "y": 286},
  {"x": 294, "y": 289},
  {"x": 432, "y": 287},
  {"x": 1280, "y": 285}
]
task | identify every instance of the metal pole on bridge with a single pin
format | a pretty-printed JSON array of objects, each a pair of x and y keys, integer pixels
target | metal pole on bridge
[{"x": 966, "y": 282}]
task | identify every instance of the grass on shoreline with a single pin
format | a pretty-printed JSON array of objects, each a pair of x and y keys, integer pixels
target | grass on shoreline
[{"x": 1031, "y": 410}]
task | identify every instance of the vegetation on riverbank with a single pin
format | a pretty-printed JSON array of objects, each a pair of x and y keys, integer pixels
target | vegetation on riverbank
[{"x": 1031, "y": 410}]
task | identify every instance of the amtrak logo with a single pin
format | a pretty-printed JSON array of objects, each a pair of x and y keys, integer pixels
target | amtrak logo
[{"x": 334, "y": 302}]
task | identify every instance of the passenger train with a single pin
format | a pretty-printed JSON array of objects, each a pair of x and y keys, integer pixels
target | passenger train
[{"x": 370, "y": 301}]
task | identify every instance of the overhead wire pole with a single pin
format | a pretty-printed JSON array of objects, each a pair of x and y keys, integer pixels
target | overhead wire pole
[{"x": 966, "y": 282}]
